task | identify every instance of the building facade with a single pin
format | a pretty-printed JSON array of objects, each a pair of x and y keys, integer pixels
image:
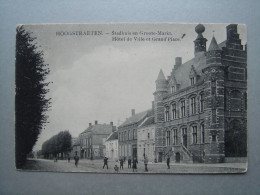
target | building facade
[
  {"x": 92, "y": 140},
  {"x": 127, "y": 135},
  {"x": 75, "y": 147},
  {"x": 146, "y": 140},
  {"x": 112, "y": 146},
  {"x": 201, "y": 108}
]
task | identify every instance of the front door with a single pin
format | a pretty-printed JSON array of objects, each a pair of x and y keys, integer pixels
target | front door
[
  {"x": 134, "y": 153},
  {"x": 160, "y": 157},
  {"x": 177, "y": 157}
]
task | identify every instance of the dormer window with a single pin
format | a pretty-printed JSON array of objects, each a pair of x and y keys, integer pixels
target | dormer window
[
  {"x": 192, "y": 81},
  {"x": 173, "y": 89}
]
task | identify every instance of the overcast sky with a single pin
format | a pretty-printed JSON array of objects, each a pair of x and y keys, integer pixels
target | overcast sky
[{"x": 95, "y": 78}]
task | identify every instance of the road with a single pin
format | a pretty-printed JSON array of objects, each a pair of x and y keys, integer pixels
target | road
[{"x": 97, "y": 166}]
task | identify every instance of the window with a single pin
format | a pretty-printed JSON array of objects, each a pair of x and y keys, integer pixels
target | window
[
  {"x": 192, "y": 81},
  {"x": 129, "y": 135},
  {"x": 193, "y": 105},
  {"x": 194, "y": 134},
  {"x": 173, "y": 89},
  {"x": 214, "y": 138},
  {"x": 201, "y": 102},
  {"x": 167, "y": 113},
  {"x": 125, "y": 136},
  {"x": 148, "y": 135},
  {"x": 202, "y": 134},
  {"x": 235, "y": 100},
  {"x": 119, "y": 137},
  {"x": 168, "y": 135},
  {"x": 134, "y": 134},
  {"x": 182, "y": 108},
  {"x": 175, "y": 137},
  {"x": 174, "y": 116}
]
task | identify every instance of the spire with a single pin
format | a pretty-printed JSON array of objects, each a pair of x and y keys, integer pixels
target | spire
[
  {"x": 200, "y": 42},
  {"x": 161, "y": 76},
  {"x": 213, "y": 45}
]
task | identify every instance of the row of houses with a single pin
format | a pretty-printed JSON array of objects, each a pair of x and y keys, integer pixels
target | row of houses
[{"x": 199, "y": 112}]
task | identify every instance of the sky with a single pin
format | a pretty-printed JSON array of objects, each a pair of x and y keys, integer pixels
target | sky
[{"x": 95, "y": 78}]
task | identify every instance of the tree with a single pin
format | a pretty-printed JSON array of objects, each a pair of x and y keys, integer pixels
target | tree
[{"x": 31, "y": 103}]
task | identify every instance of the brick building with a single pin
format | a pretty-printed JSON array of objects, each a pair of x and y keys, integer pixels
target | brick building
[
  {"x": 127, "y": 134},
  {"x": 201, "y": 108},
  {"x": 92, "y": 140}
]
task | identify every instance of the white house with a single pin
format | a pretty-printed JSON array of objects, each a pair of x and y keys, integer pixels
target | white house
[{"x": 112, "y": 146}]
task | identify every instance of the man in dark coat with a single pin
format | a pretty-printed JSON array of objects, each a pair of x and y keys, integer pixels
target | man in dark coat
[
  {"x": 129, "y": 162},
  {"x": 168, "y": 162},
  {"x": 135, "y": 164},
  {"x": 105, "y": 162},
  {"x": 145, "y": 164},
  {"x": 76, "y": 158},
  {"x": 121, "y": 163}
]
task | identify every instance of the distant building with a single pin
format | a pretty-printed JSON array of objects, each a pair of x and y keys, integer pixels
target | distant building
[
  {"x": 92, "y": 140},
  {"x": 127, "y": 134},
  {"x": 146, "y": 139},
  {"x": 75, "y": 147},
  {"x": 112, "y": 146},
  {"x": 201, "y": 107}
]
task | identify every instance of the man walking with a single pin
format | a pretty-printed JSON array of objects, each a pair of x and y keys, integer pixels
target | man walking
[
  {"x": 135, "y": 165},
  {"x": 168, "y": 162},
  {"x": 129, "y": 163},
  {"x": 105, "y": 162},
  {"x": 121, "y": 163},
  {"x": 145, "y": 164},
  {"x": 76, "y": 158}
]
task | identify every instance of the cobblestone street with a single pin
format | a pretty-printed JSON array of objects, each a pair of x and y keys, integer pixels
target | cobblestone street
[{"x": 97, "y": 166}]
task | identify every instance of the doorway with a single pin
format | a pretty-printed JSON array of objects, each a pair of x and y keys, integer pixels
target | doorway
[{"x": 177, "y": 157}]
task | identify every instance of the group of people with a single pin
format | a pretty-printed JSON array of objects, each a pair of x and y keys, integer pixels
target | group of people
[{"x": 131, "y": 164}]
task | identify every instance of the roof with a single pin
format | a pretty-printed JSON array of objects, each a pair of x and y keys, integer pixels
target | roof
[
  {"x": 113, "y": 136},
  {"x": 181, "y": 72},
  {"x": 148, "y": 121},
  {"x": 136, "y": 118},
  {"x": 213, "y": 45},
  {"x": 99, "y": 129},
  {"x": 161, "y": 75}
]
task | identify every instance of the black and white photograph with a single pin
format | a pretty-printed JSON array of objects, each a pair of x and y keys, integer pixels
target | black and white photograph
[{"x": 131, "y": 98}]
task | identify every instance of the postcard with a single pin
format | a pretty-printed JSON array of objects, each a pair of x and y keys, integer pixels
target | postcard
[{"x": 160, "y": 98}]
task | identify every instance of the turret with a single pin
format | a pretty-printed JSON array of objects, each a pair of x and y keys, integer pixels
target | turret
[
  {"x": 200, "y": 42},
  {"x": 161, "y": 82}
]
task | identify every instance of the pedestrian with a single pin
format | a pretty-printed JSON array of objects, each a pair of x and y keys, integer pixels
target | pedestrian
[
  {"x": 105, "y": 162},
  {"x": 76, "y": 158},
  {"x": 168, "y": 162},
  {"x": 145, "y": 164},
  {"x": 124, "y": 159},
  {"x": 135, "y": 164},
  {"x": 116, "y": 168},
  {"x": 129, "y": 163},
  {"x": 121, "y": 163},
  {"x": 68, "y": 159}
]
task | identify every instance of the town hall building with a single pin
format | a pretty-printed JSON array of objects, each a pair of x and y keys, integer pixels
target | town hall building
[{"x": 200, "y": 109}]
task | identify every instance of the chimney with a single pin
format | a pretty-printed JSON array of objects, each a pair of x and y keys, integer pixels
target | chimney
[
  {"x": 178, "y": 61},
  {"x": 133, "y": 112},
  {"x": 111, "y": 123},
  {"x": 96, "y": 122},
  {"x": 90, "y": 124}
]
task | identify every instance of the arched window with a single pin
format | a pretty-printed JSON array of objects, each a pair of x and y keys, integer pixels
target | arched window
[
  {"x": 167, "y": 113},
  {"x": 168, "y": 138},
  {"x": 202, "y": 133},
  {"x": 193, "y": 105},
  {"x": 182, "y": 105},
  {"x": 194, "y": 134},
  {"x": 201, "y": 102},
  {"x": 174, "y": 111},
  {"x": 175, "y": 136}
]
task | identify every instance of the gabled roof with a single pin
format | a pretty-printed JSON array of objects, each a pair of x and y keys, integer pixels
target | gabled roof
[
  {"x": 99, "y": 129},
  {"x": 136, "y": 118},
  {"x": 148, "y": 121},
  {"x": 113, "y": 136}
]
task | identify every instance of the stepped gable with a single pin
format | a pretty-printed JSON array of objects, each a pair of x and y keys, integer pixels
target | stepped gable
[
  {"x": 148, "y": 121},
  {"x": 113, "y": 136},
  {"x": 136, "y": 118}
]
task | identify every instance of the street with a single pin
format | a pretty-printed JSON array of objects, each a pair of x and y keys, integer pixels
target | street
[{"x": 97, "y": 166}]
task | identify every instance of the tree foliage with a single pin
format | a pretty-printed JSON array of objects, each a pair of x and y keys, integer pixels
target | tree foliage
[
  {"x": 31, "y": 103},
  {"x": 57, "y": 144}
]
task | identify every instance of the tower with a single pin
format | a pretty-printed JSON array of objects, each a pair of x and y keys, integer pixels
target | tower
[
  {"x": 214, "y": 105},
  {"x": 161, "y": 91},
  {"x": 200, "y": 42}
]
